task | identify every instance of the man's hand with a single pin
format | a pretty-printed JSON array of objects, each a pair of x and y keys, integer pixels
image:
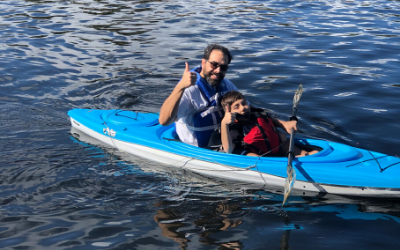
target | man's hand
[
  {"x": 229, "y": 117},
  {"x": 169, "y": 109},
  {"x": 188, "y": 78}
]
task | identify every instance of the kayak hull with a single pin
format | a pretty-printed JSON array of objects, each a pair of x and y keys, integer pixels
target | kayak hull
[{"x": 336, "y": 169}]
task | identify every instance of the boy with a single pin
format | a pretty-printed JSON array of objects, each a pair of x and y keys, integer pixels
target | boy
[{"x": 252, "y": 133}]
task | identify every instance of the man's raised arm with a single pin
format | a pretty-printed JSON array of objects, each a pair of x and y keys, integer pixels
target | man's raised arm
[{"x": 170, "y": 107}]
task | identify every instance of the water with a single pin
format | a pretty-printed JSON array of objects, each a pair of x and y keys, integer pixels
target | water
[{"x": 57, "y": 192}]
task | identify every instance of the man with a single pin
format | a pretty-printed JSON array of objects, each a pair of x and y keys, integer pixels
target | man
[{"x": 194, "y": 104}]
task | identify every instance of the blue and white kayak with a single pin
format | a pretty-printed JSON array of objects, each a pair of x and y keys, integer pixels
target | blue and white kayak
[{"x": 336, "y": 169}]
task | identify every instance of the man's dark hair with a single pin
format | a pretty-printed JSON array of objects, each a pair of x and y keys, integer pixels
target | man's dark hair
[
  {"x": 214, "y": 46},
  {"x": 231, "y": 97}
]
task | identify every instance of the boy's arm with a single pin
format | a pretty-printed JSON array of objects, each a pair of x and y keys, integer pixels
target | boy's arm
[
  {"x": 226, "y": 139},
  {"x": 287, "y": 126}
]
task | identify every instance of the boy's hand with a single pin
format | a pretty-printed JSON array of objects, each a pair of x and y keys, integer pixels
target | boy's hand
[
  {"x": 188, "y": 78},
  {"x": 289, "y": 125},
  {"x": 229, "y": 117}
]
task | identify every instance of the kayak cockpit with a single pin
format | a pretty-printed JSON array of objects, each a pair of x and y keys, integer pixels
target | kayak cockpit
[{"x": 328, "y": 151}]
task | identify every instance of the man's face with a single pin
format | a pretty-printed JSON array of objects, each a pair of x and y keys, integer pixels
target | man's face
[{"x": 211, "y": 68}]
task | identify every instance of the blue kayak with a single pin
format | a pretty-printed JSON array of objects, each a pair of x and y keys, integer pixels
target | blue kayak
[{"x": 335, "y": 169}]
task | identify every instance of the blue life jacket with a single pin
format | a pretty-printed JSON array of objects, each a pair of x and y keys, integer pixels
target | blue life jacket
[{"x": 209, "y": 119}]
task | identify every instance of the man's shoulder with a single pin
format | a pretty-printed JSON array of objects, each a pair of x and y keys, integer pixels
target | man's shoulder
[
  {"x": 229, "y": 85},
  {"x": 228, "y": 81}
]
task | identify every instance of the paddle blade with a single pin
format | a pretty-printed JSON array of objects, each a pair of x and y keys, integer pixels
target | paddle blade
[
  {"x": 297, "y": 96},
  {"x": 289, "y": 183}
]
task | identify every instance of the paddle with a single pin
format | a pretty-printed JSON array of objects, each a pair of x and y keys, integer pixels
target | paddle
[{"x": 291, "y": 174}]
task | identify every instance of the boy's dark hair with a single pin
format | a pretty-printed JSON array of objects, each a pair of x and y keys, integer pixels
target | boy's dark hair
[
  {"x": 214, "y": 46},
  {"x": 231, "y": 97}
]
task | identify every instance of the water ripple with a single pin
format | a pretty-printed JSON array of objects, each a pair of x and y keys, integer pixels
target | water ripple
[{"x": 58, "y": 191}]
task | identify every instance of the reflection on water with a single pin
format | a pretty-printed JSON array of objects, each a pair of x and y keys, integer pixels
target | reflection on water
[
  {"x": 213, "y": 219},
  {"x": 59, "y": 193}
]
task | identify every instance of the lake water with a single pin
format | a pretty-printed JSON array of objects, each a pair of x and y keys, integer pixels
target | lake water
[{"x": 58, "y": 192}]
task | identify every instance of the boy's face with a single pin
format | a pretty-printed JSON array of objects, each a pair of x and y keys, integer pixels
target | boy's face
[{"x": 240, "y": 107}]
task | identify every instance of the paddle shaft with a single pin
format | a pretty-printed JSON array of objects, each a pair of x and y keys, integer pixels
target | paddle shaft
[
  {"x": 291, "y": 145},
  {"x": 291, "y": 148},
  {"x": 291, "y": 174}
]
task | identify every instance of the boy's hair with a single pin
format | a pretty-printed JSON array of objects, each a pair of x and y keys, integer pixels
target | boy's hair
[
  {"x": 214, "y": 46},
  {"x": 229, "y": 98}
]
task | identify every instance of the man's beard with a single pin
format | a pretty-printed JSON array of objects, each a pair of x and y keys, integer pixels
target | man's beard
[{"x": 213, "y": 82}]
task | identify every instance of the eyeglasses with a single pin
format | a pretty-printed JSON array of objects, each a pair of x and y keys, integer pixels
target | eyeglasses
[{"x": 216, "y": 65}]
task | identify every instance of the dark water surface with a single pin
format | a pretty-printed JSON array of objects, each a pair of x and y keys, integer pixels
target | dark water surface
[{"x": 58, "y": 192}]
